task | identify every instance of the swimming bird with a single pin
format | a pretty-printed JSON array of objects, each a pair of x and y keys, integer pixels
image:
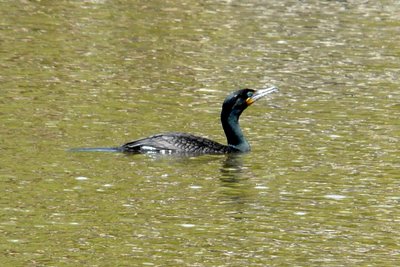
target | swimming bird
[{"x": 183, "y": 143}]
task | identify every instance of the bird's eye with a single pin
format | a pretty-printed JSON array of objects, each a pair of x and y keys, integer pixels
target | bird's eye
[{"x": 250, "y": 94}]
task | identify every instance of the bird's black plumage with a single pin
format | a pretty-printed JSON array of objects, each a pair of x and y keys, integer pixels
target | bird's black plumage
[
  {"x": 176, "y": 143},
  {"x": 183, "y": 143},
  {"x": 232, "y": 108}
]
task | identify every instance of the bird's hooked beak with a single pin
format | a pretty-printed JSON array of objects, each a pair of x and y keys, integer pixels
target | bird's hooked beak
[{"x": 260, "y": 94}]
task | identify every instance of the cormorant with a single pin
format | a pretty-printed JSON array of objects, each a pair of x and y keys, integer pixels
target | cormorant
[{"x": 183, "y": 143}]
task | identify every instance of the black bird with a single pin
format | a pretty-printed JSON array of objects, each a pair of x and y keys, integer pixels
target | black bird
[{"x": 183, "y": 143}]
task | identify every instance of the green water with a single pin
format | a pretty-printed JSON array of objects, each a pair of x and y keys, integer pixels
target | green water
[{"x": 320, "y": 187}]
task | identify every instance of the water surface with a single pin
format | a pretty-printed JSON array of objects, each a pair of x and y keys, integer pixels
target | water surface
[{"x": 320, "y": 187}]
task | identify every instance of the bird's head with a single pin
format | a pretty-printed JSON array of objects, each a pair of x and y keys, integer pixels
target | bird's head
[{"x": 241, "y": 99}]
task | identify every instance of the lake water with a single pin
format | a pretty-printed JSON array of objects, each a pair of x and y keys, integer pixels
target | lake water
[{"x": 320, "y": 187}]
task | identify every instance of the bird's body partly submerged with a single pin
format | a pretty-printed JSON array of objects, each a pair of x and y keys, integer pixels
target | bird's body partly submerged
[
  {"x": 183, "y": 143},
  {"x": 168, "y": 143}
]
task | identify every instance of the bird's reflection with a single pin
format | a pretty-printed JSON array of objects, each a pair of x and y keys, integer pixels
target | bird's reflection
[
  {"x": 233, "y": 178},
  {"x": 234, "y": 175},
  {"x": 231, "y": 169}
]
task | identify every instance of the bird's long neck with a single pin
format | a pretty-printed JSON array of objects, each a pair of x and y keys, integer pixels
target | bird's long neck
[{"x": 234, "y": 135}]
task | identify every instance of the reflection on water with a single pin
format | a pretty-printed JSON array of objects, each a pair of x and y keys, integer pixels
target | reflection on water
[
  {"x": 231, "y": 169},
  {"x": 320, "y": 187},
  {"x": 232, "y": 186}
]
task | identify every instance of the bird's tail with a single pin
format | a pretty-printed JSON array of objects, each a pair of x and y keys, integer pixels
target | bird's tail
[{"x": 95, "y": 149}]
